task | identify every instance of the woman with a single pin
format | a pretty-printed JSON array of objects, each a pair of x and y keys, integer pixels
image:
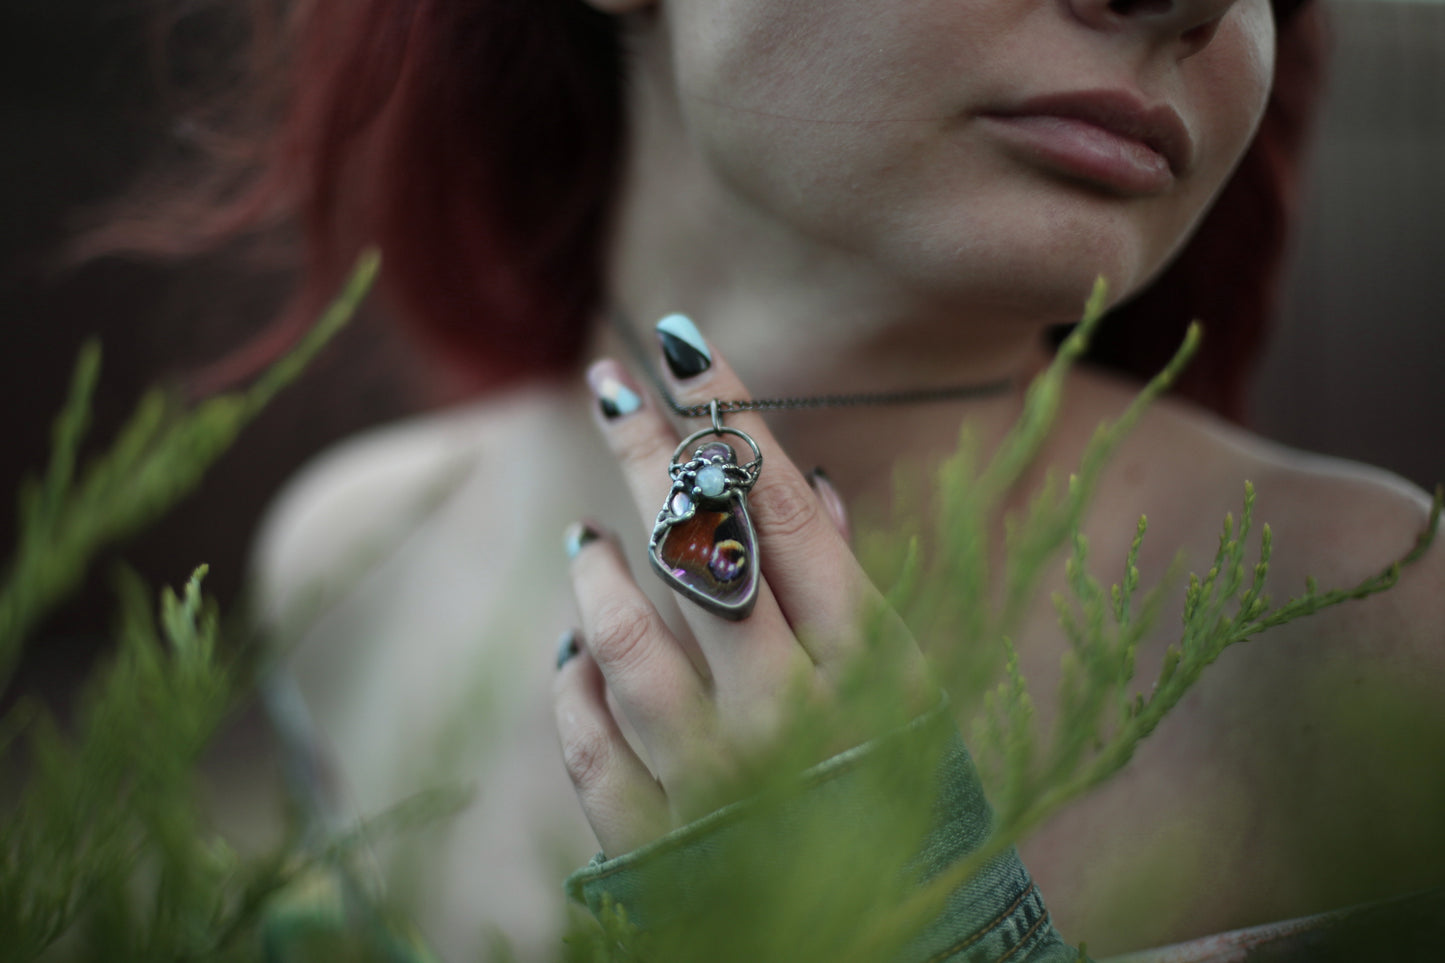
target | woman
[{"x": 849, "y": 196}]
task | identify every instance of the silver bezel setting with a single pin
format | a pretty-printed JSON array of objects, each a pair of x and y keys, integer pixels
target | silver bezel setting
[{"x": 738, "y": 480}]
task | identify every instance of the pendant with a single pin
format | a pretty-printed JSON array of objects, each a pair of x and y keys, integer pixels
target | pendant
[{"x": 703, "y": 544}]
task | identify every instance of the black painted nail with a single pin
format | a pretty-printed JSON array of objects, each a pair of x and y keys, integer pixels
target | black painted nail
[
  {"x": 579, "y": 536},
  {"x": 684, "y": 349},
  {"x": 614, "y": 397},
  {"x": 567, "y": 647}
]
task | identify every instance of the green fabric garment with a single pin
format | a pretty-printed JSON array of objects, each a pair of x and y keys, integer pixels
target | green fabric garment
[{"x": 670, "y": 885}]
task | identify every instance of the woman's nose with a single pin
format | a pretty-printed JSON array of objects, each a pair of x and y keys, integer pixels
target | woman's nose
[{"x": 1190, "y": 23}]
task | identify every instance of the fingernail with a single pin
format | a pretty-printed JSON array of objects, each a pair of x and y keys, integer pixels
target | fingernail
[
  {"x": 832, "y": 501},
  {"x": 567, "y": 647},
  {"x": 614, "y": 396},
  {"x": 579, "y": 536},
  {"x": 685, "y": 351}
]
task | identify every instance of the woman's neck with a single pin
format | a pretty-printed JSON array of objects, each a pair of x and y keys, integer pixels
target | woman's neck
[
  {"x": 820, "y": 323},
  {"x": 799, "y": 321}
]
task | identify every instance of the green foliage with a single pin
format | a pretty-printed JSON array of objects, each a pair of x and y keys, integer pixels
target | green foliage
[
  {"x": 108, "y": 854},
  {"x": 1101, "y": 721},
  {"x": 104, "y": 848}
]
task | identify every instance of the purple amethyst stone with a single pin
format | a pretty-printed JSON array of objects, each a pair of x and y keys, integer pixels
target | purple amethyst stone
[{"x": 717, "y": 450}]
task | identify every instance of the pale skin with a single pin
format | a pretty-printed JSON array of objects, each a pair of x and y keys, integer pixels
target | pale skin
[{"x": 814, "y": 181}]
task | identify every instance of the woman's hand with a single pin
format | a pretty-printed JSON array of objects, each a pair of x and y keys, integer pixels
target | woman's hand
[{"x": 703, "y": 706}]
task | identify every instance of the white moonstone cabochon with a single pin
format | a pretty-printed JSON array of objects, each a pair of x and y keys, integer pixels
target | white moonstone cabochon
[{"x": 712, "y": 480}]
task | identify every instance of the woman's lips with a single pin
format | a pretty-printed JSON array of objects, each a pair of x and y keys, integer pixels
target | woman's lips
[{"x": 1103, "y": 138}]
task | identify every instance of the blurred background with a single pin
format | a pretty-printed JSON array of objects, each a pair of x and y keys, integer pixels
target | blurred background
[
  {"x": 1354, "y": 369},
  {"x": 1357, "y": 364}
]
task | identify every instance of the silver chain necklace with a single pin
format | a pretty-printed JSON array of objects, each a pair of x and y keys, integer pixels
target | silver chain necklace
[
  {"x": 703, "y": 543},
  {"x": 909, "y": 396}
]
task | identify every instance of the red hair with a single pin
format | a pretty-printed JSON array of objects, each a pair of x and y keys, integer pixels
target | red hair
[{"x": 479, "y": 145}]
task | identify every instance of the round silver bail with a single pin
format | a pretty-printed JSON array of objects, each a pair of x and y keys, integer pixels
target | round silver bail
[{"x": 716, "y": 411}]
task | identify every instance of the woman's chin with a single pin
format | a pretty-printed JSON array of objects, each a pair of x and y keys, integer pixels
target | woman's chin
[
  {"x": 1040, "y": 269},
  {"x": 1040, "y": 289}
]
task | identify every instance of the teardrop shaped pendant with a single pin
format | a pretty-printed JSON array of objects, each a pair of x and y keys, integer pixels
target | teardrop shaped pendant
[{"x": 703, "y": 544}]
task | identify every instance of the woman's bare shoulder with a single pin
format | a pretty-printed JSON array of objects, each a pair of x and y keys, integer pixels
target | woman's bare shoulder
[
  {"x": 1341, "y": 705},
  {"x": 1331, "y": 517},
  {"x": 366, "y": 493},
  {"x": 1265, "y": 774},
  {"x": 1338, "y": 521}
]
